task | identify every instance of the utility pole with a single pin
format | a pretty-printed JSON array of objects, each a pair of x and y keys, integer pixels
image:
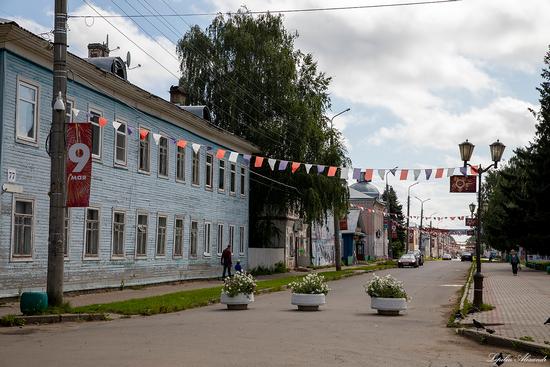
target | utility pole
[
  {"x": 387, "y": 238},
  {"x": 408, "y": 208},
  {"x": 421, "y": 219},
  {"x": 57, "y": 154}
]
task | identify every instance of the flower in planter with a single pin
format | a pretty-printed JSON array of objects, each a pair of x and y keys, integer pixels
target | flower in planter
[
  {"x": 385, "y": 287},
  {"x": 310, "y": 284},
  {"x": 241, "y": 282}
]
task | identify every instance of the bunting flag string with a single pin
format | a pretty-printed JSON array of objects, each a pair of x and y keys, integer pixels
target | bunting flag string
[{"x": 271, "y": 163}]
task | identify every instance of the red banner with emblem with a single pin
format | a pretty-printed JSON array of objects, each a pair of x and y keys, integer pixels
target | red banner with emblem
[
  {"x": 460, "y": 183},
  {"x": 79, "y": 164}
]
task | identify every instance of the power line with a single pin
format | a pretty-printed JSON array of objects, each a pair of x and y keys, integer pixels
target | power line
[{"x": 283, "y": 11}]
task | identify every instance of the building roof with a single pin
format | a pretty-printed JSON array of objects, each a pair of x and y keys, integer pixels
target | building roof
[{"x": 367, "y": 189}]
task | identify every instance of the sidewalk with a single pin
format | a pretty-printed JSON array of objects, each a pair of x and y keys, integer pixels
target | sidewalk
[{"x": 522, "y": 303}]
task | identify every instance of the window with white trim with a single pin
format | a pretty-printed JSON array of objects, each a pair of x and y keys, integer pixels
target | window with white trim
[
  {"x": 232, "y": 236},
  {"x": 119, "y": 223},
  {"x": 178, "y": 237},
  {"x": 221, "y": 175},
  {"x": 193, "y": 238},
  {"x": 97, "y": 133},
  {"x": 207, "y": 238},
  {"x": 195, "y": 168},
  {"x": 233, "y": 178},
  {"x": 23, "y": 222},
  {"x": 92, "y": 233},
  {"x": 220, "y": 239},
  {"x": 67, "y": 232},
  {"x": 241, "y": 240},
  {"x": 141, "y": 237},
  {"x": 209, "y": 171},
  {"x": 180, "y": 164},
  {"x": 242, "y": 181},
  {"x": 161, "y": 235},
  {"x": 69, "y": 111},
  {"x": 121, "y": 141},
  {"x": 27, "y": 112},
  {"x": 144, "y": 164},
  {"x": 163, "y": 156}
]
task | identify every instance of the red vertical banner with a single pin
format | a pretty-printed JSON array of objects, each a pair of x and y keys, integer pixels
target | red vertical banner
[{"x": 79, "y": 164}]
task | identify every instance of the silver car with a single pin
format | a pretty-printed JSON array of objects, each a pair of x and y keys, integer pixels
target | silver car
[{"x": 407, "y": 260}]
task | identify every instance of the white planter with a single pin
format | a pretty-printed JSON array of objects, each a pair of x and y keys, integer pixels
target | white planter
[
  {"x": 239, "y": 302},
  {"x": 307, "y": 302},
  {"x": 388, "y": 306}
]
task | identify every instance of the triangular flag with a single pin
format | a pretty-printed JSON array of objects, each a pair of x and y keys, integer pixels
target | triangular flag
[
  {"x": 173, "y": 140},
  {"x": 474, "y": 170},
  {"x": 320, "y": 168},
  {"x": 295, "y": 166},
  {"x": 258, "y": 162},
  {"x": 439, "y": 173},
  {"x": 233, "y": 156},
  {"x": 428, "y": 172},
  {"x": 247, "y": 157},
  {"x": 393, "y": 170},
  {"x": 220, "y": 154},
  {"x": 143, "y": 134},
  {"x": 450, "y": 172},
  {"x": 463, "y": 170},
  {"x": 308, "y": 166},
  {"x": 356, "y": 173},
  {"x": 130, "y": 131},
  {"x": 417, "y": 174},
  {"x": 196, "y": 147},
  {"x": 344, "y": 171},
  {"x": 156, "y": 138},
  {"x": 404, "y": 174},
  {"x": 116, "y": 124},
  {"x": 181, "y": 143},
  {"x": 75, "y": 112},
  {"x": 283, "y": 165},
  {"x": 272, "y": 162},
  {"x": 102, "y": 121},
  {"x": 368, "y": 174},
  {"x": 452, "y": 218},
  {"x": 331, "y": 171},
  {"x": 382, "y": 173}
]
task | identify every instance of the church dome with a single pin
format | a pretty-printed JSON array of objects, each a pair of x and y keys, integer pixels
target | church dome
[{"x": 367, "y": 188}]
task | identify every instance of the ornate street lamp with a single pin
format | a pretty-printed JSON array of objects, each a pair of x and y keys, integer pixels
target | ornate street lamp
[{"x": 466, "y": 149}]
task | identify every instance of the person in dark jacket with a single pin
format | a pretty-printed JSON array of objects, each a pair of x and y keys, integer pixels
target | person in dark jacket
[
  {"x": 226, "y": 261},
  {"x": 514, "y": 260},
  {"x": 238, "y": 266}
]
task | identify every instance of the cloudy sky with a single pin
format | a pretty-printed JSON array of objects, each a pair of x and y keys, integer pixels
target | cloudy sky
[{"x": 418, "y": 79}]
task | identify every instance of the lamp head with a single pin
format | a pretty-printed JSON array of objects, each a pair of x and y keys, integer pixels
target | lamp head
[
  {"x": 497, "y": 148},
  {"x": 472, "y": 208},
  {"x": 466, "y": 149},
  {"x": 59, "y": 105}
]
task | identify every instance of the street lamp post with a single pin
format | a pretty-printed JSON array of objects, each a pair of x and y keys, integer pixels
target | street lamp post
[
  {"x": 337, "y": 254},
  {"x": 421, "y": 219},
  {"x": 389, "y": 207},
  {"x": 466, "y": 149},
  {"x": 408, "y": 208},
  {"x": 431, "y": 216}
]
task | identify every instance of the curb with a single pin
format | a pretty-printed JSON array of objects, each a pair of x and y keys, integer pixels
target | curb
[
  {"x": 51, "y": 319},
  {"x": 502, "y": 341},
  {"x": 466, "y": 288}
]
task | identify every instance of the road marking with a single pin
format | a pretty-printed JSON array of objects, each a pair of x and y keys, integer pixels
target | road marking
[{"x": 451, "y": 285}]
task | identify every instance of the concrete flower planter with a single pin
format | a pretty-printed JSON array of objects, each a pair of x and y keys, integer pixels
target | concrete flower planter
[
  {"x": 308, "y": 302},
  {"x": 239, "y": 302},
  {"x": 388, "y": 306}
]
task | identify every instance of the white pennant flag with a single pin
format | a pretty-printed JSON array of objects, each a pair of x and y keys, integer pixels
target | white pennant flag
[
  {"x": 116, "y": 124},
  {"x": 156, "y": 138},
  {"x": 233, "y": 157},
  {"x": 450, "y": 172},
  {"x": 75, "y": 113},
  {"x": 196, "y": 147},
  {"x": 381, "y": 173},
  {"x": 416, "y": 174},
  {"x": 344, "y": 173},
  {"x": 272, "y": 162},
  {"x": 308, "y": 166}
]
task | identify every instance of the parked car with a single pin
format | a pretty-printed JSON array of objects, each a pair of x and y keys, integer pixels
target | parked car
[
  {"x": 407, "y": 260},
  {"x": 446, "y": 257},
  {"x": 466, "y": 256},
  {"x": 419, "y": 256}
]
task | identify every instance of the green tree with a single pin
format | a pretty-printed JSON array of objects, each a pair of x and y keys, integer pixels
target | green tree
[
  {"x": 396, "y": 217},
  {"x": 260, "y": 87}
]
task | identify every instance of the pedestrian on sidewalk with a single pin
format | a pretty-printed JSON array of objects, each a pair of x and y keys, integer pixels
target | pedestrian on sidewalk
[
  {"x": 238, "y": 266},
  {"x": 514, "y": 260},
  {"x": 226, "y": 261}
]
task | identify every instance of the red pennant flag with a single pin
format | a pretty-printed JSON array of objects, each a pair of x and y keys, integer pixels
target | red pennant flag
[
  {"x": 295, "y": 166},
  {"x": 474, "y": 170},
  {"x": 258, "y": 162},
  {"x": 102, "y": 121},
  {"x": 439, "y": 173},
  {"x": 368, "y": 174},
  {"x": 452, "y": 218},
  {"x": 181, "y": 143},
  {"x": 220, "y": 154},
  {"x": 404, "y": 174},
  {"x": 143, "y": 134},
  {"x": 331, "y": 171}
]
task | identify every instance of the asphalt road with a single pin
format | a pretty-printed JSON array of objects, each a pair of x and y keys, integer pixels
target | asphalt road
[{"x": 345, "y": 332}]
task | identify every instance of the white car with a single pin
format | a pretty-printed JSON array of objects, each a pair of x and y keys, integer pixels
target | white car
[{"x": 446, "y": 257}]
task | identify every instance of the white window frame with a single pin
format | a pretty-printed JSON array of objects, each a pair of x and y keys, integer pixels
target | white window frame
[
  {"x": 125, "y": 134},
  {"x": 138, "y": 214},
  {"x": 183, "y": 155},
  {"x": 148, "y": 138},
  {"x": 219, "y": 239},
  {"x": 232, "y": 178},
  {"x": 209, "y": 172},
  {"x": 231, "y": 237},
  {"x": 163, "y": 254},
  {"x": 36, "y": 86},
  {"x": 69, "y": 110},
  {"x": 242, "y": 240},
  {"x": 176, "y": 219},
  {"x": 67, "y": 233},
  {"x": 167, "y": 156},
  {"x": 95, "y": 110},
  {"x": 87, "y": 256},
  {"x": 195, "y": 168},
  {"x": 191, "y": 254},
  {"x": 221, "y": 175},
  {"x": 113, "y": 255},
  {"x": 207, "y": 239},
  {"x": 15, "y": 257},
  {"x": 242, "y": 174}
]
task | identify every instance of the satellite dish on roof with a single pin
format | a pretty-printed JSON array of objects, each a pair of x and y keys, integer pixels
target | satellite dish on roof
[{"x": 128, "y": 59}]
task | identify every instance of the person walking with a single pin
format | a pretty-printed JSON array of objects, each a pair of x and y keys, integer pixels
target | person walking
[
  {"x": 514, "y": 260},
  {"x": 226, "y": 261}
]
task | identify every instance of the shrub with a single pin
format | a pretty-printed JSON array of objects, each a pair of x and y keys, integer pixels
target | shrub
[
  {"x": 279, "y": 267},
  {"x": 386, "y": 287},
  {"x": 310, "y": 284},
  {"x": 239, "y": 283}
]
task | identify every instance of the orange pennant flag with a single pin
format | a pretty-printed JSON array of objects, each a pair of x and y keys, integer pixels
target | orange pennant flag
[
  {"x": 143, "y": 134},
  {"x": 331, "y": 171},
  {"x": 102, "y": 121},
  {"x": 295, "y": 166},
  {"x": 439, "y": 173},
  {"x": 258, "y": 162},
  {"x": 474, "y": 170},
  {"x": 368, "y": 174},
  {"x": 404, "y": 174},
  {"x": 220, "y": 154},
  {"x": 181, "y": 143}
]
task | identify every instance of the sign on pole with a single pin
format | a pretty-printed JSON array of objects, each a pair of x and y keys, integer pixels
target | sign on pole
[
  {"x": 79, "y": 164},
  {"x": 471, "y": 222},
  {"x": 460, "y": 183}
]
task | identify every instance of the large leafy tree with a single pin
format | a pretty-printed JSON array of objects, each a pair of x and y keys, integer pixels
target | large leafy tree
[
  {"x": 396, "y": 217},
  {"x": 257, "y": 85}
]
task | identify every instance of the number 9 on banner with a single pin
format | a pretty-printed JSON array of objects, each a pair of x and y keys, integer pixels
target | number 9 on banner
[{"x": 80, "y": 160}]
